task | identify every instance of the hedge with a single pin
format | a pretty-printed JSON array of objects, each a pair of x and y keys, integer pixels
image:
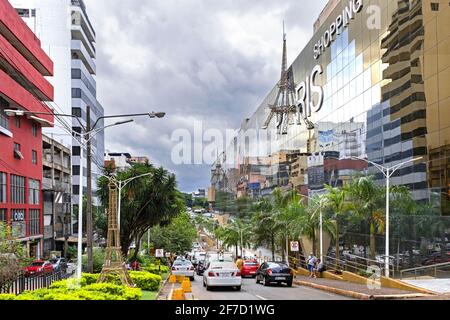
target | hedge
[
  {"x": 100, "y": 291},
  {"x": 152, "y": 268},
  {"x": 142, "y": 279}
]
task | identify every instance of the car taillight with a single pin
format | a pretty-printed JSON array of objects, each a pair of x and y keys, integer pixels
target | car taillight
[
  {"x": 291, "y": 272},
  {"x": 269, "y": 271},
  {"x": 173, "y": 269},
  {"x": 191, "y": 268},
  {"x": 238, "y": 274},
  {"x": 211, "y": 274}
]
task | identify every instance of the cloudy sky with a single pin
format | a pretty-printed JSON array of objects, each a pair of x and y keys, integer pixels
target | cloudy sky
[{"x": 198, "y": 60}]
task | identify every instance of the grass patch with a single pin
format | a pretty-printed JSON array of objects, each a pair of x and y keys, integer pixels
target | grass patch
[{"x": 149, "y": 295}]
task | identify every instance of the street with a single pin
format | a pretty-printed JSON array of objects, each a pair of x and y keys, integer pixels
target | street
[{"x": 252, "y": 291}]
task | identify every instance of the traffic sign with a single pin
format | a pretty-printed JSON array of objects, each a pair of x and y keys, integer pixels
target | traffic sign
[
  {"x": 159, "y": 253},
  {"x": 295, "y": 246}
]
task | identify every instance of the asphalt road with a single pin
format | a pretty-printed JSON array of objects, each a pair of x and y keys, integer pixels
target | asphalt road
[{"x": 252, "y": 291}]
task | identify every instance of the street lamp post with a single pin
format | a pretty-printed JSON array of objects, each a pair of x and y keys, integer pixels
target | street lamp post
[
  {"x": 86, "y": 135},
  {"x": 320, "y": 204},
  {"x": 388, "y": 172},
  {"x": 89, "y": 225}
]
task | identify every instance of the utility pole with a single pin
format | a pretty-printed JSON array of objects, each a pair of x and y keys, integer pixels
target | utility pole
[{"x": 89, "y": 228}]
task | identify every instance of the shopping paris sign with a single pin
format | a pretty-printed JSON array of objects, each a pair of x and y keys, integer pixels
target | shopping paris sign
[
  {"x": 310, "y": 95},
  {"x": 338, "y": 26}
]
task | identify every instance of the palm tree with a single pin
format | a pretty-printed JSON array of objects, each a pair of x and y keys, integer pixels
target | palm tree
[
  {"x": 265, "y": 227},
  {"x": 336, "y": 202},
  {"x": 308, "y": 221},
  {"x": 367, "y": 203}
]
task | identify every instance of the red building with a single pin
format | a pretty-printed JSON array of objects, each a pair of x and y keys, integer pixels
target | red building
[{"x": 23, "y": 67}]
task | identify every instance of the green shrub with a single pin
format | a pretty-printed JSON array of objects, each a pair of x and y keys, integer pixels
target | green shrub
[
  {"x": 98, "y": 257},
  {"x": 7, "y": 296},
  {"x": 146, "y": 280},
  {"x": 152, "y": 268},
  {"x": 90, "y": 278},
  {"x": 97, "y": 291}
]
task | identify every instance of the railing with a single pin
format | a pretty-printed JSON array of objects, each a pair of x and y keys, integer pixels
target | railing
[
  {"x": 23, "y": 283},
  {"x": 422, "y": 271},
  {"x": 351, "y": 263}
]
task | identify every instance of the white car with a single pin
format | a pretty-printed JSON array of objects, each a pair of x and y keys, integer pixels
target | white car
[
  {"x": 183, "y": 268},
  {"x": 198, "y": 256},
  {"x": 222, "y": 274}
]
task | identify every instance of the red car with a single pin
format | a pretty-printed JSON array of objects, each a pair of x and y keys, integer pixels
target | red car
[
  {"x": 39, "y": 267},
  {"x": 249, "y": 268}
]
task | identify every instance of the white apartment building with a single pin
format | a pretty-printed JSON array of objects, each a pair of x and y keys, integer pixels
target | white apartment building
[{"x": 68, "y": 37}]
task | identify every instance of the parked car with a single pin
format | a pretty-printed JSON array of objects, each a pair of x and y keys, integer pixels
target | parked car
[
  {"x": 436, "y": 258},
  {"x": 200, "y": 269},
  {"x": 274, "y": 272},
  {"x": 39, "y": 267},
  {"x": 222, "y": 274},
  {"x": 183, "y": 268},
  {"x": 59, "y": 264},
  {"x": 249, "y": 268}
]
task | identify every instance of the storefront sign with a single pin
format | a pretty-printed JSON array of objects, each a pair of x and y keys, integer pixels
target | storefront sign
[
  {"x": 305, "y": 92},
  {"x": 295, "y": 246},
  {"x": 342, "y": 21}
]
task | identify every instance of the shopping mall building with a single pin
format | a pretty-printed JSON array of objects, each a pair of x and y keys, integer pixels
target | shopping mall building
[{"x": 372, "y": 84}]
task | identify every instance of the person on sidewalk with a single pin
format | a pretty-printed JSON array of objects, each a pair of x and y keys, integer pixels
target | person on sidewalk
[
  {"x": 320, "y": 267},
  {"x": 312, "y": 265}
]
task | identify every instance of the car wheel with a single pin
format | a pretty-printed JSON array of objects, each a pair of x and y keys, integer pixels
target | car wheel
[
  {"x": 265, "y": 282},
  {"x": 204, "y": 284},
  {"x": 257, "y": 280},
  {"x": 208, "y": 288},
  {"x": 192, "y": 278},
  {"x": 238, "y": 288},
  {"x": 289, "y": 283}
]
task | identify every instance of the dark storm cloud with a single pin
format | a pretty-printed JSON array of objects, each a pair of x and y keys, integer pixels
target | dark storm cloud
[{"x": 212, "y": 61}]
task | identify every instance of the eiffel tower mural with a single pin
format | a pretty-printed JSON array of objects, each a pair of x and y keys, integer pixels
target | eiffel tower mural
[
  {"x": 285, "y": 109},
  {"x": 114, "y": 264}
]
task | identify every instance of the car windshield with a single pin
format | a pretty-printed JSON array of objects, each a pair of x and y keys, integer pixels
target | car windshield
[
  {"x": 54, "y": 260},
  {"x": 278, "y": 265},
  {"x": 37, "y": 263},
  {"x": 223, "y": 265},
  {"x": 182, "y": 263},
  {"x": 251, "y": 263}
]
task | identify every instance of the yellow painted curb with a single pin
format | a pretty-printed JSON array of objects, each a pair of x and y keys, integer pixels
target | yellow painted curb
[
  {"x": 353, "y": 277},
  {"x": 397, "y": 284},
  {"x": 331, "y": 276}
]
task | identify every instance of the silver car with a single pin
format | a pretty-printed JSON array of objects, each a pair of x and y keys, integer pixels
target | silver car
[{"x": 183, "y": 268}]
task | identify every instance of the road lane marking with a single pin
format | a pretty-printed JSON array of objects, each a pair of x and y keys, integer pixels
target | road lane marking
[{"x": 259, "y": 297}]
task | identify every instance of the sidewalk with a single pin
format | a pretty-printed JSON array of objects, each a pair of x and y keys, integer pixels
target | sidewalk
[{"x": 354, "y": 290}]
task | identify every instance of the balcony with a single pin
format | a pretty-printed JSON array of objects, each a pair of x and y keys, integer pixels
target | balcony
[{"x": 79, "y": 52}]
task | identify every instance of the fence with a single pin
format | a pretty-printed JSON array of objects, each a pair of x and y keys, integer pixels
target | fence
[{"x": 22, "y": 283}]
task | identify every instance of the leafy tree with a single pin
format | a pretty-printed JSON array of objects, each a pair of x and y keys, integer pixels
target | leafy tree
[
  {"x": 146, "y": 201},
  {"x": 176, "y": 237},
  {"x": 367, "y": 200},
  {"x": 12, "y": 255},
  {"x": 265, "y": 227},
  {"x": 335, "y": 199}
]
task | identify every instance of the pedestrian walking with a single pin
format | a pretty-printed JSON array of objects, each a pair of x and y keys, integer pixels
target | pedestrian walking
[
  {"x": 312, "y": 265},
  {"x": 239, "y": 263}
]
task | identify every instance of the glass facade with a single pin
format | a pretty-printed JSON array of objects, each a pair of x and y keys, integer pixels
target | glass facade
[{"x": 386, "y": 99}]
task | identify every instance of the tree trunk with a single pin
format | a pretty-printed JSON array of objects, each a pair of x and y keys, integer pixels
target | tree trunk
[
  {"x": 272, "y": 239},
  {"x": 373, "y": 244},
  {"x": 314, "y": 245},
  {"x": 338, "y": 255}
]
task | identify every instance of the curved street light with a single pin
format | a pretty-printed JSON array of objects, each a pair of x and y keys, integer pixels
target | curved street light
[{"x": 388, "y": 172}]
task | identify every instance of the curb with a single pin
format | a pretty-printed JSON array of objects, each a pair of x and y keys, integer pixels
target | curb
[
  {"x": 342, "y": 292},
  {"x": 160, "y": 289},
  {"x": 358, "y": 295}
]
